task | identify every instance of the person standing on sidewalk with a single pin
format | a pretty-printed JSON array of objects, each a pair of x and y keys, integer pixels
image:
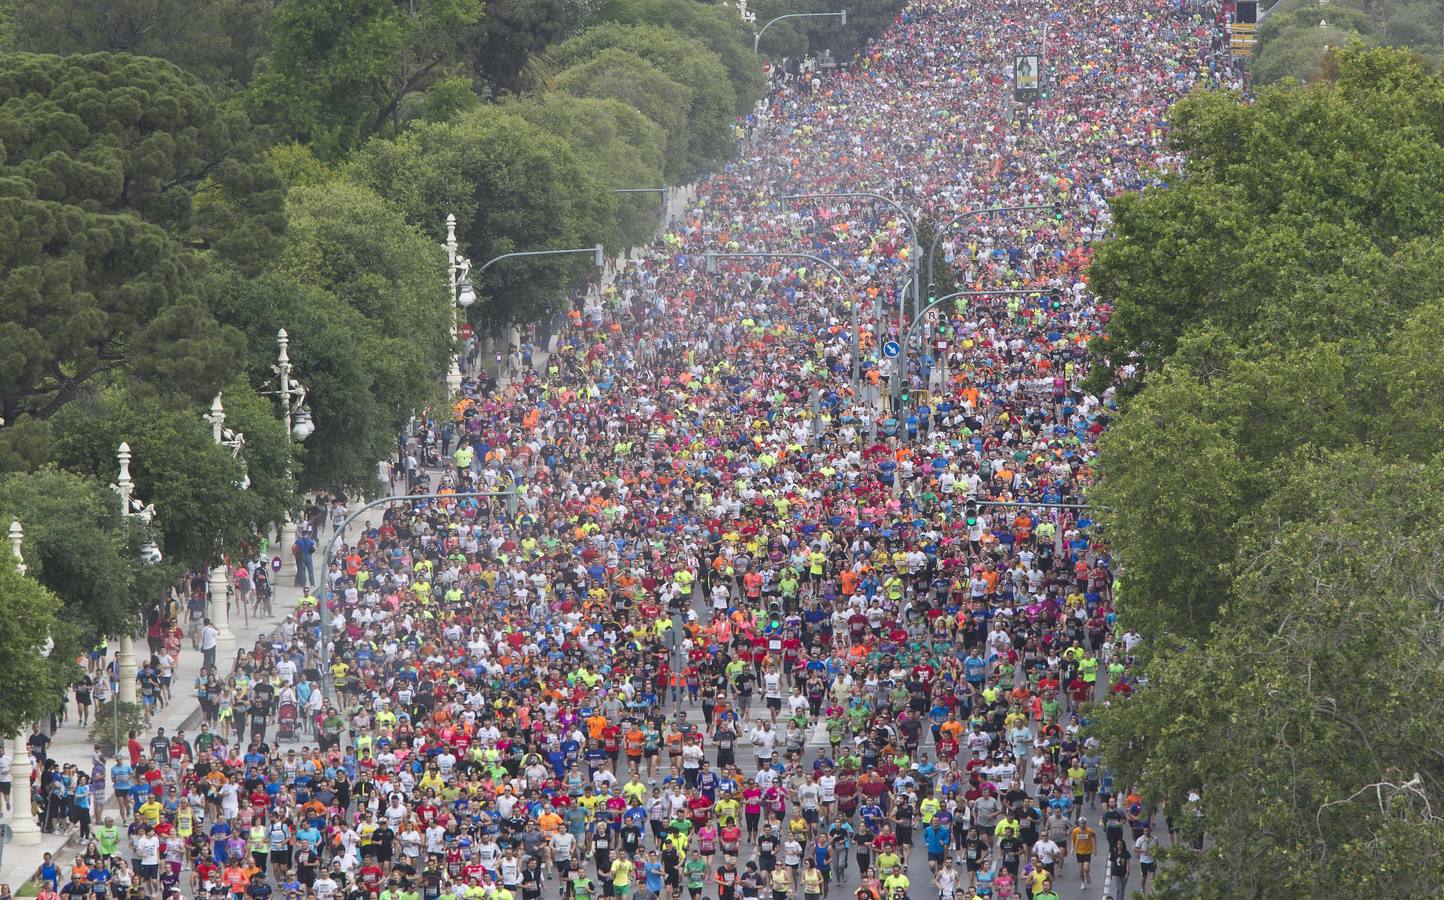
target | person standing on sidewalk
[
  {"x": 303, "y": 550},
  {"x": 5, "y": 786},
  {"x": 210, "y": 637}
]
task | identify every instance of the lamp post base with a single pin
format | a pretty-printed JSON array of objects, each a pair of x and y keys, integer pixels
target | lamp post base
[
  {"x": 126, "y": 670},
  {"x": 283, "y": 550},
  {"x": 24, "y": 832},
  {"x": 221, "y": 618},
  {"x": 453, "y": 375}
]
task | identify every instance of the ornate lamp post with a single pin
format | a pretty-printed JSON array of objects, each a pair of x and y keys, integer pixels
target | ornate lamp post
[
  {"x": 23, "y": 829},
  {"x": 298, "y": 426},
  {"x": 462, "y": 294}
]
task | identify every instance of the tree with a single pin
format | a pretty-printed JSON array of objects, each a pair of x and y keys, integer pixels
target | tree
[
  {"x": 714, "y": 25},
  {"x": 1296, "y": 38},
  {"x": 90, "y": 293},
  {"x": 339, "y": 70},
  {"x": 623, "y": 76},
  {"x": 216, "y": 40},
  {"x": 512, "y": 32},
  {"x": 346, "y": 240},
  {"x": 1312, "y": 190},
  {"x": 201, "y": 509},
  {"x": 75, "y": 546},
  {"x": 1271, "y": 487},
  {"x": 512, "y": 187},
  {"x": 31, "y": 615},
  {"x": 684, "y": 60},
  {"x": 623, "y": 148},
  {"x": 117, "y": 133},
  {"x": 1326, "y": 679},
  {"x": 1172, "y": 483},
  {"x": 329, "y": 349},
  {"x": 1299, "y": 52}
]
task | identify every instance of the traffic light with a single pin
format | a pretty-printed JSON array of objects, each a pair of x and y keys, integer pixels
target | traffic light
[{"x": 970, "y": 513}]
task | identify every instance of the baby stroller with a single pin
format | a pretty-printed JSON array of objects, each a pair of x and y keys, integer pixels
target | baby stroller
[{"x": 288, "y": 722}]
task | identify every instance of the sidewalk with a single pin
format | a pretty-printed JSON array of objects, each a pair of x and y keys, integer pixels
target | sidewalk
[{"x": 71, "y": 744}]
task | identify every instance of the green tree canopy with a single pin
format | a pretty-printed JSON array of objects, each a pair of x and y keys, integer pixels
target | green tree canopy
[
  {"x": 714, "y": 24},
  {"x": 217, "y": 40},
  {"x": 201, "y": 510},
  {"x": 1312, "y": 191},
  {"x": 621, "y": 75},
  {"x": 337, "y": 356},
  {"x": 512, "y": 187},
  {"x": 1270, "y": 486},
  {"x": 115, "y": 133},
  {"x": 513, "y": 32},
  {"x": 89, "y": 293},
  {"x": 688, "y": 62},
  {"x": 623, "y": 148},
  {"x": 1326, "y": 678},
  {"x": 1298, "y": 36},
  {"x": 345, "y": 239},
  {"x": 75, "y": 546},
  {"x": 339, "y": 72},
  {"x": 32, "y": 617}
]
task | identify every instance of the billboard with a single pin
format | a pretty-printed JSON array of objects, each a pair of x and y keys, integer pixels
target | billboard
[{"x": 1026, "y": 74}]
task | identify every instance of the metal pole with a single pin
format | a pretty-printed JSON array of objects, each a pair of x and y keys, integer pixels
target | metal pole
[
  {"x": 757, "y": 38},
  {"x": 597, "y": 250},
  {"x": 125, "y": 667},
  {"x": 877, "y": 316},
  {"x": 816, "y": 402},
  {"x": 289, "y": 564},
  {"x": 218, "y": 579},
  {"x": 510, "y": 495},
  {"x": 902, "y": 358},
  {"x": 23, "y": 829},
  {"x": 453, "y": 372}
]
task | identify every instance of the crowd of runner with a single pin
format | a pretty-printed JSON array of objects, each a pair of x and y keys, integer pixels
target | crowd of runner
[{"x": 745, "y": 634}]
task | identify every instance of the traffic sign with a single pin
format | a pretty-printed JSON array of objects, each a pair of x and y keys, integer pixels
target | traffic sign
[
  {"x": 275, "y": 564},
  {"x": 891, "y": 349}
]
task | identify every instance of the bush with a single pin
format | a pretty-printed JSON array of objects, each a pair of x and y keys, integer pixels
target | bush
[{"x": 115, "y": 718}]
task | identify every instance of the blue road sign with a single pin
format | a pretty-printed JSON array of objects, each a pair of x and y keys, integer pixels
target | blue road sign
[{"x": 891, "y": 349}]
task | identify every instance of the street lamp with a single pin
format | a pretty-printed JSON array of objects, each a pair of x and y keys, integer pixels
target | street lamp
[
  {"x": 463, "y": 290},
  {"x": 130, "y": 509},
  {"x": 599, "y": 255},
  {"x": 757, "y": 38},
  {"x": 598, "y": 252},
  {"x": 711, "y": 266},
  {"x": 463, "y": 294},
  {"x": 23, "y": 830},
  {"x": 219, "y": 578},
  {"x": 298, "y": 425}
]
